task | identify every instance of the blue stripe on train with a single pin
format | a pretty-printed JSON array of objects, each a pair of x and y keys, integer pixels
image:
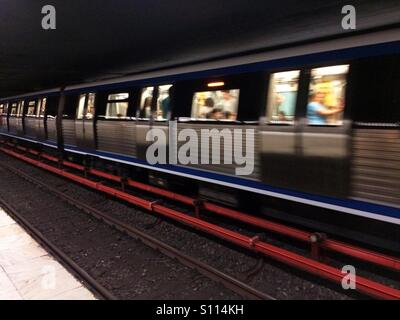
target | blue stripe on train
[{"x": 46, "y": 142}]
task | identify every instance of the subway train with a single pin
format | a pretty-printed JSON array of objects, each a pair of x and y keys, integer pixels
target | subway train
[{"x": 325, "y": 118}]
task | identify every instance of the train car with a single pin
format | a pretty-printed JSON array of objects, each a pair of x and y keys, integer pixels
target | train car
[
  {"x": 32, "y": 118},
  {"x": 325, "y": 118},
  {"x": 15, "y": 117}
]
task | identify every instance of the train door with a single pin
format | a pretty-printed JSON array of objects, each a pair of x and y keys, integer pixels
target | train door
[
  {"x": 52, "y": 126},
  {"x": 115, "y": 126},
  {"x": 40, "y": 118},
  {"x": 153, "y": 113},
  {"x": 30, "y": 121},
  {"x": 279, "y": 150},
  {"x": 325, "y": 132},
  {"x": 69, "y": 115},
  {"x": 20, "y": 118},
  {"x": 12, "y": 117},
  {"x": 84, "y": 122}
]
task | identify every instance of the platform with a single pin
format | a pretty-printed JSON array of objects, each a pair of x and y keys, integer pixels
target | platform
[{"x": 28, "y": 272}]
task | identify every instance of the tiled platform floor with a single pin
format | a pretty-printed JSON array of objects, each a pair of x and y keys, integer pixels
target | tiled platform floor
[{"x": 28, "y": 272}]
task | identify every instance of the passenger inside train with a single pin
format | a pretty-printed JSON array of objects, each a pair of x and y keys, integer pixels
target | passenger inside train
[
  {"x": 163, "y": 102},
  {"x": 216, "y": 105},
  {"x": 326, "y": 95}
]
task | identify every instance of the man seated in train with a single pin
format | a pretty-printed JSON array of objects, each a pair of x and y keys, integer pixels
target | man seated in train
[{"x": 317, "y": 112}]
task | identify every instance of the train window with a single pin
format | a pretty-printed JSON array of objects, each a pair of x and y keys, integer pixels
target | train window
[
  {"x": 41, "y": 108},
  {"x": 14, "y": 109},
  {"x": 89, "y": 114},
  {"x": 146, "y": 100},
  {"x": 31, "y": 108},
  {"x": 375, "y": 91},
  {"x": 216, "y": 105},
  {"x": 86, "y": 106},
  {"x": 1, "y": 108},
  {"x": 117, "y": 105},
  {"x": 282, "y": 97},
  {"x": 20, "y": 108},
  {"x": 163, "y": 102},
  {"x": 81, "y": 106},
  {"x": 51, "y": 107},
  {"x": 327, "y": 95}
]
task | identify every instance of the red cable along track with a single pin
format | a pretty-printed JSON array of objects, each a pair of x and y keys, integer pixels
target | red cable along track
[{"x": 314, "y": 267}]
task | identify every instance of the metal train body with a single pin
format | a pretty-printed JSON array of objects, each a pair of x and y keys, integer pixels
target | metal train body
[{"x": 346, "y": 176}]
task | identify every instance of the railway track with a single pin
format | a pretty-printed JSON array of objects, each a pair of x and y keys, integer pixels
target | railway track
[
  {"x": 226, "y": 280},
  {"x": 315, "y": 267}
]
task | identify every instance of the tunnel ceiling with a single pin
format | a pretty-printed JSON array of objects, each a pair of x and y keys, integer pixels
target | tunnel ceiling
[{"x": 97, "y": 39}]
